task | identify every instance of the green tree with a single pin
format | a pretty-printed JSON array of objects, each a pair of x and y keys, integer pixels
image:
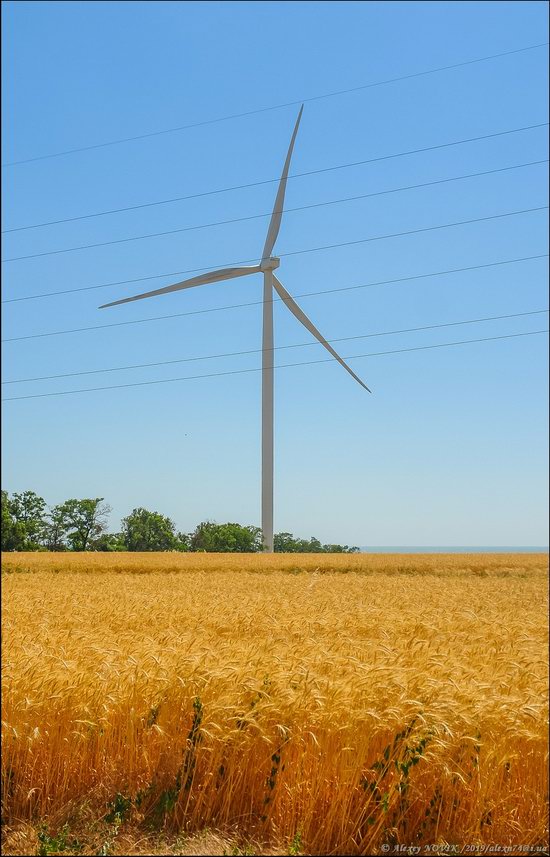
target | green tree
[
  {"x": 287, "y": 543},
  {"x": 13, "y": 531},
  {"x": 284, "y": 543},
  {"x": 339, "y": 549},
  {"x": 109, "y": 542},
  {"x": 29, "y": 510},
  {"x": 84, "y": 521},
  {"x": 56, "y": 529},
  {"x": 143, "y": 530},
  {"x": 225, "y": 538},
  {"x": 183, "y": 541}
]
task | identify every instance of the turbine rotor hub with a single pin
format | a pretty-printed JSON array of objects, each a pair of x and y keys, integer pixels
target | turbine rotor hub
[{"x": 270, "y": 264}]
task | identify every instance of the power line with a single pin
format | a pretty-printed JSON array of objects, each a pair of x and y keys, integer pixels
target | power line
[
  {"x": 277, "y": 179},
  {"x": 282, "y": 366},
  {"x": 277, "y": 300},
  {"x": 268, "y": 213},
  {"x": 273, "y": 107},
  {"x": 281, "y": 255},
  {"x": 308, "y": 294},
  {"x": 276, "y": 348}
]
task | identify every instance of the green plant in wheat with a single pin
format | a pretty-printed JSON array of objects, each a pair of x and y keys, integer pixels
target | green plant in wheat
[
  {"x": 296, "y": 846},
  {"x": 390, "y": 798},
  {"x": 48, "y": 844},
  {"x": 184, "y": 776}
]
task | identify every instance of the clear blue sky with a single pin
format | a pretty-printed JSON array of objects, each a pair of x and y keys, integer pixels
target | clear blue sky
[{"x": 451, "y": 447}]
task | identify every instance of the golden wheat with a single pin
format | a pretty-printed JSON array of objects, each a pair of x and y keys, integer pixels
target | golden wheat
[{"x": 341, "y": 702}]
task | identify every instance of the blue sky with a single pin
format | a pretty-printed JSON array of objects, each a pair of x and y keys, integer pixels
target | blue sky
[{"x": 451, "y": 447}]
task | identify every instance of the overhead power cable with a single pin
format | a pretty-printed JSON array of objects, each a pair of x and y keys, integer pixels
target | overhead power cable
[
  {"x": 282, "y": 366},
  {"x": 329, "y": 291},
  {"x": 269, "y": 213},
  {"x": 278, "y": 300},
  {"x": 276, "y": 348},
  {"x": 278, "y": 178},
  {"x": 218, "y": 265},
  {"x": 274, "y": 106}
]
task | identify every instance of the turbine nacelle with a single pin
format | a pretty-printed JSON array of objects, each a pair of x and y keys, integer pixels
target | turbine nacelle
[{"x": 270, "y": 264}]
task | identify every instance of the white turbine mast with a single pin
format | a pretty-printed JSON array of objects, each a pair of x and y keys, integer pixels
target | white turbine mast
[{"x": 267, "y": 266}]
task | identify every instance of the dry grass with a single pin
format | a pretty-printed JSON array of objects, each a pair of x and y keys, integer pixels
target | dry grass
[{"x": 338, "y": 703}]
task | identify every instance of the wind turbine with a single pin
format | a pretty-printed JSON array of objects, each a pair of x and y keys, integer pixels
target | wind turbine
[{"x": 267, "y": 266}]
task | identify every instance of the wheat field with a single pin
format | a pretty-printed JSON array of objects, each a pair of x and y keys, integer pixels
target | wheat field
[{"x": 315, "y": 704}]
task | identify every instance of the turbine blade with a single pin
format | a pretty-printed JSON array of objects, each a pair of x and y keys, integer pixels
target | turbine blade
[
  {"x": 301, "y": 316},
  {"x": 201, "y": 280},
  {"x": 275, "y": 222}
]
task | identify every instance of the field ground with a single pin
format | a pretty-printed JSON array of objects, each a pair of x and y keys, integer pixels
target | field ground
[{"x": 285, "y": 704}]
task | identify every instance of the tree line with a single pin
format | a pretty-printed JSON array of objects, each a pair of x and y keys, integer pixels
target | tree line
[{"x": 29, "y": 524}]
